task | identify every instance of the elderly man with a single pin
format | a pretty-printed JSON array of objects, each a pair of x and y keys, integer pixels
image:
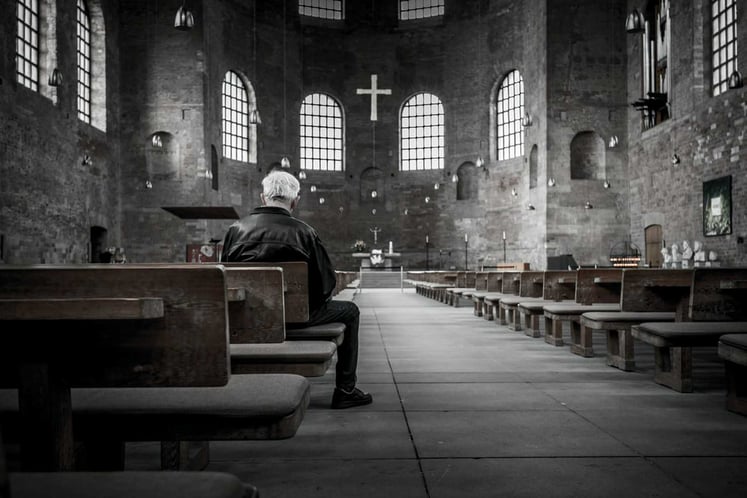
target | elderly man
[{"x": 270, "y": 233}]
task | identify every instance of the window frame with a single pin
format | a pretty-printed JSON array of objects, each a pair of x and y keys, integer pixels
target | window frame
[
  {"x": 311, "y": 156},
  {"x": 83, "y": 37},
  {"x": 28, "y": 43},
  {"x": 722, "y": 70},
  {"x": 306, "y": 8},
  {"x": 417, "y": 12},
  {"x": 510, "y": 117},
  {"x": 237, "y": 146},
  {"x": 440, "y": 134}
]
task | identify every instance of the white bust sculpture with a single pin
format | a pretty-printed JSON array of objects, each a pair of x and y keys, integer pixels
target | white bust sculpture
[
  {"x": 700, "y": 254},
  {"x": 666, "y": 256},
  {"x": 675, "y": 253},
  {"x": 687, "y": 252},
  {"x": 712, "y": 256}
]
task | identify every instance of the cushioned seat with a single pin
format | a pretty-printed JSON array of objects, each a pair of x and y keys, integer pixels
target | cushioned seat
[
  {"x": 733, "y": 347},
  {"x": 128, "y": 485},
  {"x": 328, "y": 332},
  {"x": 531, "y": 310},
  {"x": 307, "y": 358},
  {"x": 578, "y": 309},
  {"x": 556, "y": 314},
  {"x": 261, "y": 406},
  {"x": 687, "y": 334}
]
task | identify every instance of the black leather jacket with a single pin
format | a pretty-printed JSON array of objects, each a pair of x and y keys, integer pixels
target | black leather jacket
[{"x": 271, "y": 234}]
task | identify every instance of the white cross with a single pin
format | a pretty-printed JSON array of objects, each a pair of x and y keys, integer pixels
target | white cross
[{"x": 374, "y": 92}]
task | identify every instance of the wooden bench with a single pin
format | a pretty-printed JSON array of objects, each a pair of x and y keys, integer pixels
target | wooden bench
[
  {"x": 530, "y": 287},
  {"x": 733, "y": 349},
  {"x": 597, "y": 289},
  {"x": 485, "y": 283},
  {"x": 114, "y": 339},
  {"x": 465, "y": 285},
  {"x": 432, "y": 284},
  {"x": 716, "y": 306},
  {"x": 558, "y": 286},
  {"x": 648, "y": 295},
  {"x": 257, "y": 325},
  {"x": 510, "y": 283}
]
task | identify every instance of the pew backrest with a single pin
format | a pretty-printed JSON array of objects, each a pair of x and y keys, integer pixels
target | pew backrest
[
  {"x": 598, "y": 285},
  {"x": 511, "y": 282},
  {"x": 718, "y": 294},
  {"x": 256, "y": 304},
  {"x": 530, "y": 283},
  {"x": 559, "y": 285},
  {"x": 296, "y": 285},
  {"x": 657, "y": 290},
  {"x": 185, "y": 345}
]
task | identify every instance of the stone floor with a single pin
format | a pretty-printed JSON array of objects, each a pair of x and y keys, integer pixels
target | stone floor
[{"x": 464, "y": 407}]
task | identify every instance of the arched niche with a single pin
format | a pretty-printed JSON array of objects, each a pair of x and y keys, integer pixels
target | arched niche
[
  {"x": 533, "y": 166},
  {"x": 162, "y": 156},
  {"x": 467, "y": 184},
  {"x": 588, "y": 156}
]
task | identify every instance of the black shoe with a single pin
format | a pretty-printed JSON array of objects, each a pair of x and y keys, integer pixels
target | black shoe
[{"x": 348, "y": 399}]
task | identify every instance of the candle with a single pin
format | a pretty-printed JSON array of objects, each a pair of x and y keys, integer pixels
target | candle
[
  {"x": 426, "y": 239},
  {"x": 391, "y": 247},
  {"x": 504, "y": 235},
  {"x": 466, "y": 238}
]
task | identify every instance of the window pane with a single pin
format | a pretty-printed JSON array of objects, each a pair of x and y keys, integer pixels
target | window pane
[
  {"x": 235, "y": 119},
  {"x": 323, "y": 116},
  {"x": 427, "y": 150},
  {"x": 510, "y": 105}
]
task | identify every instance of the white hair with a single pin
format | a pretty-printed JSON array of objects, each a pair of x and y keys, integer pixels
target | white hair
[{"x": 280, "y": 186}]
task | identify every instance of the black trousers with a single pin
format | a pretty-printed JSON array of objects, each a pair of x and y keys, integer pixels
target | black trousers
[{"x": 347, "y": 353}]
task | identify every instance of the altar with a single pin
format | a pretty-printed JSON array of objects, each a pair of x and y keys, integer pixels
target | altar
[{"x": 377, "y": 259}]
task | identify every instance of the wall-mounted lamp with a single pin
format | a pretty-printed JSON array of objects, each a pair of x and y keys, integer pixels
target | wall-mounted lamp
[
  {"x": 606, "y": 183},
  {"x": 322, "y": 200},
  {"x": 479, "y": 162},
  {"x": 675, "y": 159},
  {"x": 436, "y": 186},
  {"x": 514, "y": 192},
  {"x": 373, "y": 211},
  {"x": 301, "y": 175},
  {"x": 406, "y": 212},
  {"x": 87, "y": 161},
  {"x": 454, "y": 178},
  {"x": 588, "y": 205},
  {"x": 148, "y": 184},
  {"x": 427, "y": 200},
  {"x": 613, "y": 141},
  {"x": 341, "y": 209},
  {"x": 312, "y": 188},
  {"x": 635, "y": 22},
  {"x": 254, "y": 118},
  {"x": 184, "y": 19},
  {"x": 735, "y": 80},
  {"x": 530, "y": 207},
  {"x": 374, "y": 194},
  {"x": 551, "y": 182},
  {"x": 527, "y": 120},
  {"x": 285, "y": 162},
  {"x": 55, "y": 77}
]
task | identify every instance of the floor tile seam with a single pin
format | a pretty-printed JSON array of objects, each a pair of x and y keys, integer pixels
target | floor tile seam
[{"x": 403, "y": 411}]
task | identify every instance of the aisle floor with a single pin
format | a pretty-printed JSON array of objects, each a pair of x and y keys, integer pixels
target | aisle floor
[{"x": 464, "y": 407}]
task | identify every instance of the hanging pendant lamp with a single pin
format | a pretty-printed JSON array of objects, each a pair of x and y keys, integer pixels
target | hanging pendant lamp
[{"x": 184, "y": 19}]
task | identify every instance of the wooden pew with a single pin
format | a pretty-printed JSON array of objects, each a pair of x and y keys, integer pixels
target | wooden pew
[
  {"x": 597, "y": 289},
  {"x": 109, "y": 339},
  {"x": 715, "y": 307},
  {"x": 733, "y": 349},
  {"x": 510, "y": 283},
  {"x": 257, "y": 326},
  {"x": 530, "y": 287},
  {"x": 558, "y": 286},
  {"x": 493, "y": 282},
  {"x": 432, "y": 284},
  {"x": 465, "y": 285},
  {"x": 648, "y": 295}
]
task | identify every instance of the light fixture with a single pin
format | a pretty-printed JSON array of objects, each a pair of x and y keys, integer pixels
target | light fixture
[
  {"x": 285, "y": 162},
  {"x": 606, "y": 183},
  {"x": 527, "y": 120},
  {"x": 148, "y": 184},
  {"x": 735, "y": 80},
  {"x": 254, "y": 117},
  {"x": 588, "y": 205},
  {"x": 322, "y": 200},
  {"x": 301, "y": 175},
  {"x": 551, "y": 182},
  {"x": 55, "y": 77},
  {"x": 613, "y": 141},
  {"x": 374, "y": 194},
  {"x": 406, "y": 212},
  {"x": 675, "y": 159},
  {"x": 436, "y": 186},
  {"x": 156, "y": 141},
  {"x": 427, "y": 200},
  {"x": 514, "y": 192},
  {"x": 635, "y": 23},
  {"x": 530, "y": 207},
  {"x": 341, "y": 209},
  {"x": 312, "y": 188},
  {"x": 184, "y": 20},
  {"x": 479, "y": 162},
  {"x": 373, "y": 211},
  {"x": 87, "y": 161},
  {"x": 454, "y": 178}
]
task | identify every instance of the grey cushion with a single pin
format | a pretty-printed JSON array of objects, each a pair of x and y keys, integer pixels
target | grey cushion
[
  {"x": 579, "y": 309},
  {"x": 538, "y": 305},
  {"x": 515, "y": 300},
  {"x": 669, "y": 334},
  {"x": 629, "y": 316},
  {"x": 735, "y": 340},
  {"x": 284, "y": 352},
  {"x": 128, "y": 485},
  {"x": 733, "y": 348}
]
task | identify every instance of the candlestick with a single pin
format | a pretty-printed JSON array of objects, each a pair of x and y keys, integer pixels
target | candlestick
[
  {"x": 426, "y": 238},
  {"x": 391, "y": 247},
  {"x": 466, "y": 238},
  {"x": 504, "y": 235}
]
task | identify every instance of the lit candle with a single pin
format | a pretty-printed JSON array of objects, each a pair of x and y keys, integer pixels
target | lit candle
[
  {"x": 504, "y": 235},
  {"x": 466, "y": 238},
  {"x": 426, "y": 239},
  {"x": 391, "y": 247}
]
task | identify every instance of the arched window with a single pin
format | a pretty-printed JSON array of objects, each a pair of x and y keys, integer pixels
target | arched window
[
  {"x": 420, "y": 9},
  {"x": 323, "y": 9},
  {"x": 723, "y": 42},
  {"x": 422, "y": 140},
  {"x": 588, "y": 156},
  {"x": 83, "y": 38},
  {"x": 27, "y": 43},
  {"x": 235, "y": 123},
  {"x": 509, "y": 114},
  {"x": 322, "y": 133},
  {"x": 656, "y": 46}
]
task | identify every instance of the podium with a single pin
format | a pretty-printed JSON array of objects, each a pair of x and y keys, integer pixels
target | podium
[{"x": 377, "y": 259}]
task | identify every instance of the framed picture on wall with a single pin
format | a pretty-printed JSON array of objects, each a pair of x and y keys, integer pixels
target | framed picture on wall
[{"x": 717, "y": 207}]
